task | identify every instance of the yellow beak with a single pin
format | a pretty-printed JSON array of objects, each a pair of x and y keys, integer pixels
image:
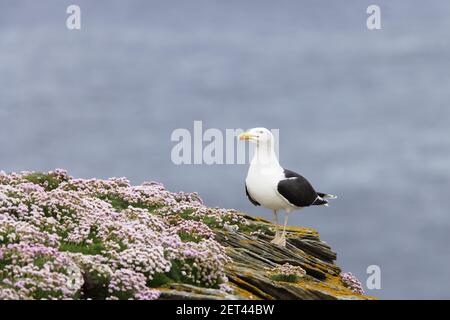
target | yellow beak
[{"x": 245, "y": 136}]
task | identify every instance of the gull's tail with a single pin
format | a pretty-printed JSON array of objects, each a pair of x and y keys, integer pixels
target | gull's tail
[
  {"x": 322, "y": 199},
  {"x": 326, "y": 195}
]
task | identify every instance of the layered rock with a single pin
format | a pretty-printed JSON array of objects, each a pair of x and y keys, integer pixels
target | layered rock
[{"x": 253, "y": 258}]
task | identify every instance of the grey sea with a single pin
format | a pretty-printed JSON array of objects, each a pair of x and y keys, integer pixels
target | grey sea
[{"x": 362, "y": 114}]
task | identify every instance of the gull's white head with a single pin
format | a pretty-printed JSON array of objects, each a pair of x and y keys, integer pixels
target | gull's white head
[{"x": 260, "y": 136}]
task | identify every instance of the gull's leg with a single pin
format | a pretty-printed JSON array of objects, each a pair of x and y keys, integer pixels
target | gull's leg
[
  {"x": 283, "y": 235},
  {"x": 277, "y": 232}
]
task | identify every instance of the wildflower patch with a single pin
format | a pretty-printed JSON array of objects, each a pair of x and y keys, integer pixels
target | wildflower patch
[{"x": 68, "y": 238}]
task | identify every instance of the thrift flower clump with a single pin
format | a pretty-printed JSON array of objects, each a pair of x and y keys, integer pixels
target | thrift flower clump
[
  {"x": 287, "y": 273},
  {"x": 66, "y": 238},
  {"x": 351, "y": 282}
]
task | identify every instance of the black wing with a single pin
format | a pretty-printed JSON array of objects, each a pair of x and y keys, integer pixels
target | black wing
[
  {"x": 298, "y": 191},
  {"x": 256, "y": 203}
]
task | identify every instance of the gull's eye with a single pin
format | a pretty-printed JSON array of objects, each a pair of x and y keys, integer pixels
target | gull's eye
[{"x": 261, "y": 131}]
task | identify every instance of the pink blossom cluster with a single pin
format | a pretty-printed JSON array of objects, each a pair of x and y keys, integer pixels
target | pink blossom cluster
[
  {"x": 58, "y": 233},
  {"x": 14, "y": 231},
  {"x": 288, "y": 270},
  {"x": 128, "y": 284},
  {"x": 351, "y": 282},
  {"x": 196, "y": 229},
  {"x": 203, "y": 262},
  {"x": 34, "y": 271}
]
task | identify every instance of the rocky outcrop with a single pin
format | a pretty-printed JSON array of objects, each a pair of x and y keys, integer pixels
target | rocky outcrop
[{"x": 253, "y": 256}]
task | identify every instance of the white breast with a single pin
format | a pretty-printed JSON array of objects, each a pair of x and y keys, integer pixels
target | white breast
[{"x": 262, "y": 185}]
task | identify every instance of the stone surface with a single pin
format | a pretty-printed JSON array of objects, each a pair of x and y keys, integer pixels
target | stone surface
[{"x": 253, "y": 255}]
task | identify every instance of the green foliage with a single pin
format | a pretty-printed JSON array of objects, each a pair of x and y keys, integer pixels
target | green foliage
[
  {"x": 120, "y": 204},
  {"x": 40, "y": 261},
  {"x": 187, "y": 215},
  {"x": 254, "y": 227},
  {"x": 285, "y": 278},
  {"x": 44, "y": 180},
  {"x": 175, "y": 275},
  {"x": 188, "y": 237},
  {"x": 160, "y": 280},
  {"x": 208, "y": 220},
  {"x": 163, "y": 279},
  {"x": 94, "y": 248}
]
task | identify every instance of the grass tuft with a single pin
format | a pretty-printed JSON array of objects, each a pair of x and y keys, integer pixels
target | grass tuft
[{"x": 44, "y": 180}]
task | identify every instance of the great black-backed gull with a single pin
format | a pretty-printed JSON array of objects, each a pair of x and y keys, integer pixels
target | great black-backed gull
[{"x": 273, "y": 187}]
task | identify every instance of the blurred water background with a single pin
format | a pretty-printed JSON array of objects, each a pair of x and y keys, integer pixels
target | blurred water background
[{"x": 362, "y": 114}]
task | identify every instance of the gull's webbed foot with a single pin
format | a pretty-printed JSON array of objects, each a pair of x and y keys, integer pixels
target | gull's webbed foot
[{"x": 279, "y": 240}]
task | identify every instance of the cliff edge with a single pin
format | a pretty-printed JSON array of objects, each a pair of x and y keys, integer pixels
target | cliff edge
[
  {"x": 67, "y": 238},
  {"x": 261, "y": 270}
]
